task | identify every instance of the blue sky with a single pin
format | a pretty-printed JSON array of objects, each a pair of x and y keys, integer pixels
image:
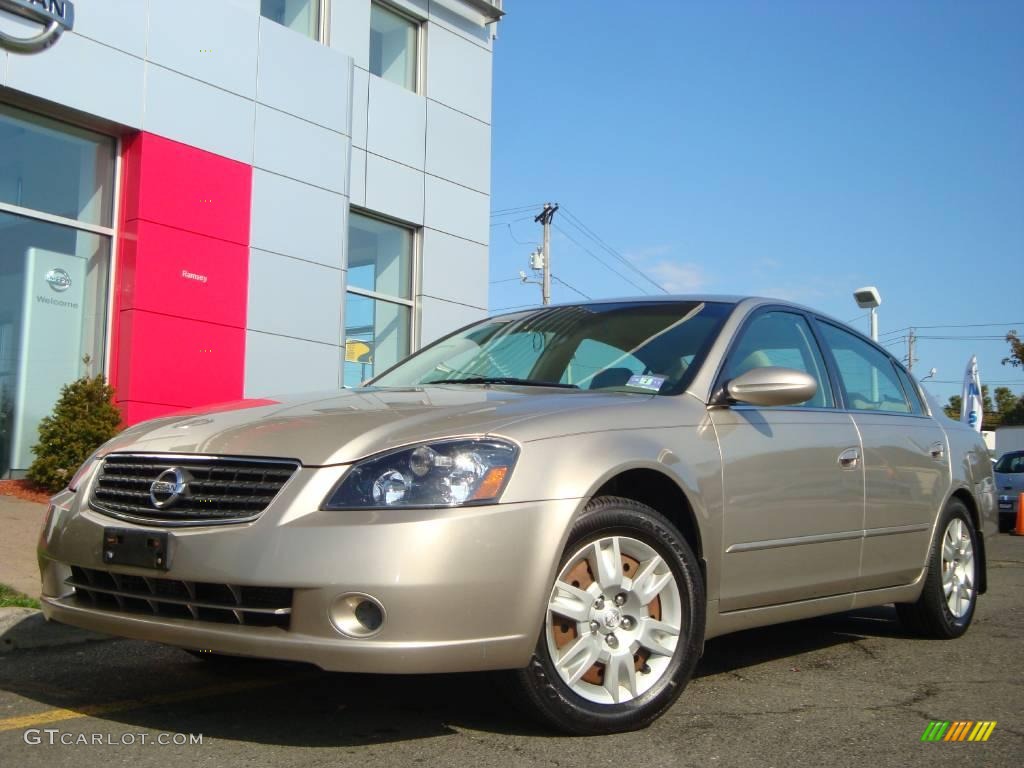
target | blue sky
[{"x": 791, "y": 149}]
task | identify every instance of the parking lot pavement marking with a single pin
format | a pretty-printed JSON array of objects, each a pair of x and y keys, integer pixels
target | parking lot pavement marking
[{"x": 92, "y": 710}]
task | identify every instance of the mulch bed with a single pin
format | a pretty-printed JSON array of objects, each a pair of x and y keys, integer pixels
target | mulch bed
[{"x": 22, "y": 489}]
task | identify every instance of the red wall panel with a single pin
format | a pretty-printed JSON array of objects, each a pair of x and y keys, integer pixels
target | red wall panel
[
  {"x": 180, "y": 273},
  {"x": 179, "y": 340},
  {"x": 176, "y": 361},
  {"x": 184, "y": 187}
]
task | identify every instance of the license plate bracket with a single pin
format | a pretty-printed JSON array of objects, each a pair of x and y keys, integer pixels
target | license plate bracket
[{"x": 142, "y": 549}]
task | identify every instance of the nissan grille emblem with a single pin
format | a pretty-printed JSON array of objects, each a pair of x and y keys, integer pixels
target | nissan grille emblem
[
  {"x": 170, "y": 485},
  {"x": 58, "y": 279},
  {"x": 53, "y": 17}
]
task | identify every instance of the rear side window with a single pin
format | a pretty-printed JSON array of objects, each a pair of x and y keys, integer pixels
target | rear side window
[
  {"x": 867, "y": 375},
  {"x": 910, "y": 389}
]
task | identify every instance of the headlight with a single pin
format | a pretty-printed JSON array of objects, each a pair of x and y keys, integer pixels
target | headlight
[
  {"x": 84, "y": 470},
  {"x": 442, "y": 474}
]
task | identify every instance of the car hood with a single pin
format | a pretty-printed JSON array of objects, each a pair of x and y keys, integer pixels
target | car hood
[{"x": 341, "y": 427}]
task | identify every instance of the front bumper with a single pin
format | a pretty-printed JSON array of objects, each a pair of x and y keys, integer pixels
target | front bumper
[{"x": 463, "y": 589}]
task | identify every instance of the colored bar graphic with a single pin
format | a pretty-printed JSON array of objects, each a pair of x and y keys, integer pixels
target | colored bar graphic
[{"x": 958, "y": 730}]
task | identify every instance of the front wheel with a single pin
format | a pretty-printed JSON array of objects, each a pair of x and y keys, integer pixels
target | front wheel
[
  {"x": 950, "y": 594},
  {"x": 624, "y": 623}
]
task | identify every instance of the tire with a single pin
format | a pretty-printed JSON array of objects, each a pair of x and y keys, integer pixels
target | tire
[
  {"x": 934, "y": 614},
  {"x": 624, "y": 683}
]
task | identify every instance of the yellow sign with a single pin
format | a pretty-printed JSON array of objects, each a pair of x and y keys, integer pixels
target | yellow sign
[{"x": 357, "y": 351}]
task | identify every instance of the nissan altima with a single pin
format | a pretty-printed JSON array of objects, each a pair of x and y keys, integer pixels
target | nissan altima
[{"x": 580, "y": 494}]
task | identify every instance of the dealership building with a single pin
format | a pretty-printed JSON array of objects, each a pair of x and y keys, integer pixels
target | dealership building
[{"x": 223, "y": 199}]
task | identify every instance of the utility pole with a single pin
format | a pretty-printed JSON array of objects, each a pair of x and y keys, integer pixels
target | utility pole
[
  {"x": 544, "y": 218},
  {"x": 911, "y": 339}
]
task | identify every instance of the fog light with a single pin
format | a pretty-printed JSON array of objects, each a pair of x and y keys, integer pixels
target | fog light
[{"x": 357, "y": 615}]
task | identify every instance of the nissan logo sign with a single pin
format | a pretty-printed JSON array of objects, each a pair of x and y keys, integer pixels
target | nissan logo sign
[
  {"x": 169, "y": 486},
  {"x": 53, "y": 16},
  {"x": 58, "y": 279}
]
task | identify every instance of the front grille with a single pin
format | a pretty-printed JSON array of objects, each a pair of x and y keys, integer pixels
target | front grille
[
  {"x": 218, "y": 489},
  {"x": 173, "y": 599}
]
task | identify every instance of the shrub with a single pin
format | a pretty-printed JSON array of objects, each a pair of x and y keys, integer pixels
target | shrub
[{"x": 83, "y": 419}]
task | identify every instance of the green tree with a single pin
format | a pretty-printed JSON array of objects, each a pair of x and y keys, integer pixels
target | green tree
[
  {"x": 952, "y": 408},
  {"x": 1005, "y": 400},
  {"x": 1016, "y": 358},
  {"x": 83, "y": 419}
]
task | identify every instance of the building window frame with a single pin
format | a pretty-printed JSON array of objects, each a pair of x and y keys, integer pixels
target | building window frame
[
  {"x": 322, "y": 19},
  {"x": 104, "y": 331},
  {"x": 419, "y": 75},
  {"x": 415, "y": 272}
]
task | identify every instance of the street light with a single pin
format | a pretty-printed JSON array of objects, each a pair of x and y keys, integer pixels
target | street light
[{"x": 868, "y": 298}]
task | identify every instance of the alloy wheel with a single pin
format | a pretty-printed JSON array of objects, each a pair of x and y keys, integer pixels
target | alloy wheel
[
  {"x": 957, "y": 568},
  {"x": 614, "y": 620}
]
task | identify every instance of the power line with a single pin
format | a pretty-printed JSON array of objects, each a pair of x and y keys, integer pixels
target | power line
[
  {"x": 516, "y": 239},
  {"x": 570, "y": 287},
  {"x": 956, "y": 325},
  {"x": 990, "y": 381},
  {"x": 506, "y": 280},
  {"x": 576, "y": 222},
  {"x": 517, "y": 209},
  {"x": 509, "y": 223},
  {"x": 600, "y": 261},
  {"x": 514, "y": 306}
]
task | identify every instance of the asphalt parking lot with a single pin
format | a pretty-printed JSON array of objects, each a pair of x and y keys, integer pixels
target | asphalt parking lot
[{"x": 848, "y": 690}]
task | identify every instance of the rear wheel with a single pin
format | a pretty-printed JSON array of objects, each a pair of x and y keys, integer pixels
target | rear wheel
[
  {"x": 946, "y": 606},
  {"x": 624, "y": 623}
]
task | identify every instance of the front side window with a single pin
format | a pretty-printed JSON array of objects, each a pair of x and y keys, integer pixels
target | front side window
[
  {"x": 303, "y": 16},
  {"x": 378, "y": 306},
  {"x": 53, "y": 276},
  {"x": 867, "y": 375},
  {"x": 642, "y": 348},
  {"x": 393, "y": 46},
  {"x": 782, "y": 340}
]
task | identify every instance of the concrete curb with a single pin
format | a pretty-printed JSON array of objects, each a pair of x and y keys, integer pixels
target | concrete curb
[{"x": 25, "y": 628}]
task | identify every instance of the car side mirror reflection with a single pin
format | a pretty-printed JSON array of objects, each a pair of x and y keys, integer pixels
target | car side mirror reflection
[{"x": 772, "y": 386}]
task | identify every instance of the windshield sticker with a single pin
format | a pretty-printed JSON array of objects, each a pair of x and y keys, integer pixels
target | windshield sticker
[{"x": 652, "y": 383}]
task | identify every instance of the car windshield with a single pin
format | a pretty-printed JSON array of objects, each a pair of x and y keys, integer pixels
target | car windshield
[
  {"x": 1011, "y": 463},
  {"x": 641, "y": 347}
]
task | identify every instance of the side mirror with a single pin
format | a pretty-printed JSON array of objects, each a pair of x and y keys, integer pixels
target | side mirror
[{"x": 772, "y": 386}]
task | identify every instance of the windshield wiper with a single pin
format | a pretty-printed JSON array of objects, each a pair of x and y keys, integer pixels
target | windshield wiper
[{"x": 502, "y": 380}]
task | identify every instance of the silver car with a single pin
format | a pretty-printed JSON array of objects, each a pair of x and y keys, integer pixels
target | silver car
[
  {"x": 1009, "y": 478},
  {"x": 583, "y": 494}
]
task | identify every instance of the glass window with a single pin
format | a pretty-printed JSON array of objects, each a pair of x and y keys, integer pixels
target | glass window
[
  {"x": 665, "y": 341},
  {"x": 868, "y": 376},
  {"x": 596, "y": 365},
  {"x": 1010, "y": 464},
  {"x": 54, "y": 168},
  {"x": 378, "y": 326},
  {"x": 393, "y": 39},
  {"x": 380, "y": 256},
  {"x": 910, "y": 388},
  {"x": 376, "y": 336},
  {"x": 783, "y": 340},
  {"x": 301, "y": 15},
  {"x": 53, "y": 298}
]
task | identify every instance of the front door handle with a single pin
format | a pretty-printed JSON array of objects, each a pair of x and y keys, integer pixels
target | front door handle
[
  {"x": 937, "y": 451},
  {"x": 850, "y": 458}
]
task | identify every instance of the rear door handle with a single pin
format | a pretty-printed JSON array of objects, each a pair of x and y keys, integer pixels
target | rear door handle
[
  {"x": 850, "y": 458},
  {"x": 937, "y": 451}
]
